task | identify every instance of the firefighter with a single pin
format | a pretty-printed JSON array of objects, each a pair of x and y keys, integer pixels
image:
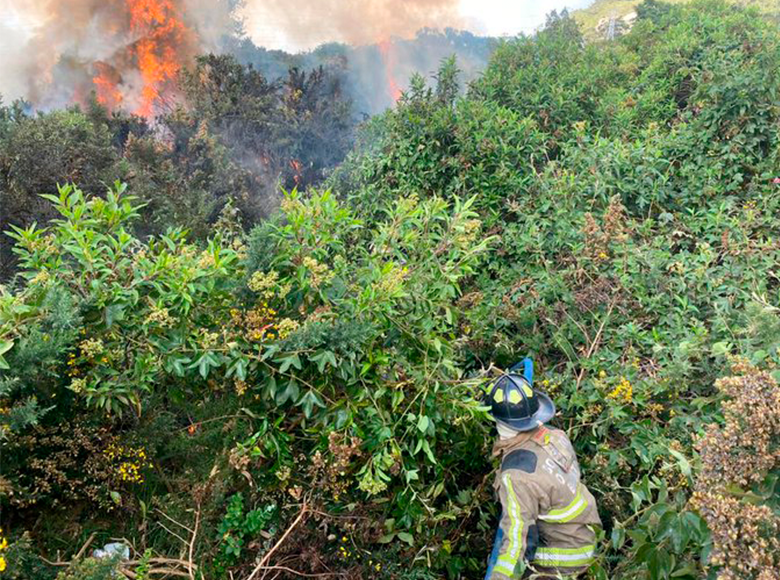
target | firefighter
[{"x": 549, "y": 517}]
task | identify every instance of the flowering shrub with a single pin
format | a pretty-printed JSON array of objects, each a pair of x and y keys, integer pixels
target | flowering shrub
[
  {"x": 608, "y": 209},
  {"x": 345, "y": 332},
  {"x": 740, "y": 462}
]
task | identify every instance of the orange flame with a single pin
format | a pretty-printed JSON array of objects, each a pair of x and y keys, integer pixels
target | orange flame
[
  {"x": 390, "y": 61},
  {"x": 157, "y": 55},
  {"x": 106, "y": 80}
]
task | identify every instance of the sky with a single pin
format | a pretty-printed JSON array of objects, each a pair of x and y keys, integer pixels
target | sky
[{"x": 488, "y": 17}]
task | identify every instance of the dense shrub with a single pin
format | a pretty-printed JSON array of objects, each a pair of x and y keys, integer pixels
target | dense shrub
[
  {"x": 333, "y": 337},
  {"x": 609, "y": 209},
  {"x": 634, "y": 238}
]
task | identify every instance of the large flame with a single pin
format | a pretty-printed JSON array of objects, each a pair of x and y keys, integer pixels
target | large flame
[
  {"x": 390, "y": 62},
  {"x": 143, "y": 72}
]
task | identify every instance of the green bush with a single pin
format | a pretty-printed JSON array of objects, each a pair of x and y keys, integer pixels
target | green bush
[{"x": 609, "y": 209}]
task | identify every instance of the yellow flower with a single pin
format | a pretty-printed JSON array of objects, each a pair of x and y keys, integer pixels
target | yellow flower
[
  {"x": 286, "y": 327},
  {"x": 2, "y": 564},
  {"x": 264, "y": 284},
  {"x": 623, "y": 392},
  {"x": 320, "y": 274}
]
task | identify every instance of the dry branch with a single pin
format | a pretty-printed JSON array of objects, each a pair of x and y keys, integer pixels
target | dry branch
[{"x": 267, "y": 557}]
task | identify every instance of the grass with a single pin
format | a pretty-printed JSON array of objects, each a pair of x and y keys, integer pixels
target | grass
[{"x": 590, "y": 17}]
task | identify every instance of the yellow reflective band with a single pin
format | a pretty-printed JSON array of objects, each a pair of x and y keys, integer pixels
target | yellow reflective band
[
  {"x": 568, "y": 513},
  {"x": 516, "y": 528},
  {"x": 565, "y": 557},
  {"x": 515, "y": 397},
  {"x": 504, "y": 568},
  {"x": 498, "y": 396},
  {"x": 529, "y": 392}
]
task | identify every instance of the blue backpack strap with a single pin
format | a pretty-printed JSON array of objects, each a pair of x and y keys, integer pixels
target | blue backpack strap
[{"x": 528, "y": 369}]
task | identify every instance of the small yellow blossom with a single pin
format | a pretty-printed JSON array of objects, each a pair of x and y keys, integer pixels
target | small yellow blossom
[
  {"x": 78, "y": 385},
  {"x": 286, "y": 327},
  {"x": 623, "y": 392},
  {"x": 159, "y": 316},
  {"x": 264, "y": 284},
  {"x": 320, "y": 274},
  {"x": 206, "y": 261},
  {"x": 92, "y": 347}
]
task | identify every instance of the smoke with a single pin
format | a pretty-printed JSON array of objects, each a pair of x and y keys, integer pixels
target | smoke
[
  {"x": 128, "y": 52},
  {"x": 56, "y": 52},
  {"x": 304, "y": 24}
]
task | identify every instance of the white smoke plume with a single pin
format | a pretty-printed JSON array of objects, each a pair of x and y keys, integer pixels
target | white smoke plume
[
  {"x": 56, "y": 52},
  {"x": 306, "y": 23}
]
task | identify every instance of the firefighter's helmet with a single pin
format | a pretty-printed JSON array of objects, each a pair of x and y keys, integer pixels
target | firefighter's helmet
[{"x": 514, "y": 402}]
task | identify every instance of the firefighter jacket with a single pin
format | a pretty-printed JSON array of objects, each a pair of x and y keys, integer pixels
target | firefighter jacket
[{"x": 548, "y": 515}]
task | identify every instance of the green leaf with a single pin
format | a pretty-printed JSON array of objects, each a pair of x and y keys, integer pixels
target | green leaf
[
  {"x": 5, "y": 346},
  {"x": 238, "y": 368},
  {"x": 290, "y": 393},
  {"x": 659, "y": 564},
  {"x": 427, "y": 448},
  {"x": 288, "y": 361},
  {"x": 322, "y": 358},
  {"x": 685, "y": 465},
  {"x": 205, "y": 363},
  {"x": 309, "y": 401},
  {"x": 176, "y": 365},
  {"x": 721, "y": 348},
  {"x": 114, "y": 313},
  {"x": 422, "y": 423},
  {"x": 618, "y": 537},
  {"x": 406, "y": 537},
  {"x": 687, "y": 570}
]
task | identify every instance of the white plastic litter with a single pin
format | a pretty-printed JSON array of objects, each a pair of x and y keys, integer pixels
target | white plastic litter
[{"x": 113, "y": 550}]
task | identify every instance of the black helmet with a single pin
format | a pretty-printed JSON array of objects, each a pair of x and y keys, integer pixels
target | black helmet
[{"x": 513, "y": 402}]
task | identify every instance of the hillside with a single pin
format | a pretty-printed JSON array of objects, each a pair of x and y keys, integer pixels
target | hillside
[
  {"x": 594, "y": 19},
  {"x": 233, "y": 391}
]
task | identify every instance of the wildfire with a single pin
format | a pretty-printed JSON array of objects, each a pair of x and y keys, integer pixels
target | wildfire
[
  {"x": 390, "y": 61},
  {"x": 106, "y": 80},
  {"x": 140, "y": 76}
]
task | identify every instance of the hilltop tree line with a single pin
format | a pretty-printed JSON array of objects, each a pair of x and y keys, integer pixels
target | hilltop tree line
[{"x": 301, "y": 396}]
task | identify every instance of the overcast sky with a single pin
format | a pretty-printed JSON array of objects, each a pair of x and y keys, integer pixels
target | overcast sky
[
  {"x": 501, "y": 17},
  {"x": 491, "y": 17}
]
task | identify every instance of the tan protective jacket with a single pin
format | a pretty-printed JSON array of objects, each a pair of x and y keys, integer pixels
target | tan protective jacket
[{"x": 548, "y": 513}]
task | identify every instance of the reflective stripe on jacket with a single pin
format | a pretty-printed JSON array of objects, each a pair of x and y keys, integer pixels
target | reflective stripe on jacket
[{"x": 547, "y": 512}]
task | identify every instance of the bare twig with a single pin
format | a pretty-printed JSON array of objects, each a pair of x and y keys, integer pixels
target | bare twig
[
  {"x": 192, "y": 542},
  {"x": 296, "y": 573},
  {"x": 83, "y": 549},
  {"x": 174, "y": 534},
  {"x": 267, "y": 557},
  {"x": 170, "y": 519},
  {"x": 78, "y": 555},
  {"x": 50, "y": 563},
  {"x": 595, "y": 343},
  {"x": 160, "y": 571}
]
